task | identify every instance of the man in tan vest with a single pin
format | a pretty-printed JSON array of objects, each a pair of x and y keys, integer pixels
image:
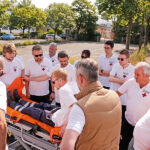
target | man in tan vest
[{"x": 95, "y": 120}]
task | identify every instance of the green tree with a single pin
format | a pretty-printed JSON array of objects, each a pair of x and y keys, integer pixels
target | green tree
[
  {"x": 5, "y": 8},
  {"x": 85, "y": 17},
  {"x": 27, "y": 17},
  {"x": 59, "y": 15}
]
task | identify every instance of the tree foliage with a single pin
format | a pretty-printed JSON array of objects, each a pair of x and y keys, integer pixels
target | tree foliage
[
  {"x": 27, "y": 16},
  {"x": 85, "y": 17},
  {"x": 59, "y": 15}
]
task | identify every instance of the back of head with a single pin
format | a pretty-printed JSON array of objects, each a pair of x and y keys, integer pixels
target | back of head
[
  {"x": 87, "y": 53},
  {"x": 62, "y": 54},
  {"x": 88, "y": 68},
  {"x": 36, "y": 47},
  {"x": 60, "y": 73},
  {"x": 125, "y": 52},
  {"x": 9, "y": 48},
  {"x": 145, "y": 66},
  {"x": 111, "y": 43}
]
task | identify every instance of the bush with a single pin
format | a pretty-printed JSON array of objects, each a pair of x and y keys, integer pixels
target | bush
[
  {"x": 1, "y": 49},
  {"x": 139, "y": 55},
  {"x": 72, "y": 60},
  {"x": 34, "y": 34}
]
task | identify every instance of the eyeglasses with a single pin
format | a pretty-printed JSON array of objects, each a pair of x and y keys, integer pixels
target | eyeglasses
[
  {"x": 107, "y": 48},
  {"x": 38, "y": 55},
  {"x": 122, "y": 59},
  {"x": 83, "y": 57}
]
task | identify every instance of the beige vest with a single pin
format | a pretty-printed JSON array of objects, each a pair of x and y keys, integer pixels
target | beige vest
[{"x": 102, "y": 110}]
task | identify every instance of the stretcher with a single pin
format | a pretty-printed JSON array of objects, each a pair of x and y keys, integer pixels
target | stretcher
[{"x": 29, "y": 132}]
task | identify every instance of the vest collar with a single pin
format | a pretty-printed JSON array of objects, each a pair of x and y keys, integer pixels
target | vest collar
[{"x": 94, "y": 86}]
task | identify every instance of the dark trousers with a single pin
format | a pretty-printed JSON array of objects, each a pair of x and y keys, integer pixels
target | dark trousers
[
  {"x": 127, "y": 134},
  {"x": 40, "y": 111},
  {"x": 44, "y": 98},
  {"x": 123, "y": 113}
]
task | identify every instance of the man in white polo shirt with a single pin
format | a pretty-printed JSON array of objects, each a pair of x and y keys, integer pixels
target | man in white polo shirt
[
  {"x": 120, "y": 73},
  {"x": 105, "y": 63},
  {"x": 3, "y": 125},
  {"x": 13, "y": 66},
  {"x": 51, "y": 55},
  {"x": 138, "y": 101},
  {"x": 38, "y": 66}
]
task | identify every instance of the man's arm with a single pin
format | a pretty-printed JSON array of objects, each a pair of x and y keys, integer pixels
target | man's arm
[
  {"x": 69, "y": 140},
  {"x": 22, "y": 73},
  {"x": 103, "y": 72},
  {"x": 38, "y": 79},
  {"x": 116, "y": 80},
  {"x": 3, "y": 130},
  {"x": 119, "y": 94}
]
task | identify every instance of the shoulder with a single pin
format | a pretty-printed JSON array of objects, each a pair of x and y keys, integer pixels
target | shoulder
[
  {"x": 102, "y": 57},
  {"x": 2, "y": 84}
]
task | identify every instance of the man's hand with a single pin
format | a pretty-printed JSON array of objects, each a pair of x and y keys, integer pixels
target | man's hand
[
  {"x": 52, "y": 96},
  {"x": 28, "y": 95},
  {"x": 26, "y": 78}
]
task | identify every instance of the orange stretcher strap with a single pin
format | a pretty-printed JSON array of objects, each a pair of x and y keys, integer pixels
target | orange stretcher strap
[{"x": 19, "y": 85}]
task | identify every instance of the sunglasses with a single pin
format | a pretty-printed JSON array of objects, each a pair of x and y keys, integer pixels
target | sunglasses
[
  {"x": 122, "y": 59},
  {"x": 83, "y": 57},
  {"x": 38, "y": 55},
  {"x": 53, "y": 82}
]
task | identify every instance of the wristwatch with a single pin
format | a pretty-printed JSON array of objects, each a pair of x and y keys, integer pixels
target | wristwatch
[{"x": 102, "y": 70}]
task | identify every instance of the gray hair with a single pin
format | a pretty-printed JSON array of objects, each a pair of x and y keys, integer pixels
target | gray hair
[
  {"x": 145, "y": 66},
  {"x": 88, "y": 68},
  {"x": 53, "y": 44}
]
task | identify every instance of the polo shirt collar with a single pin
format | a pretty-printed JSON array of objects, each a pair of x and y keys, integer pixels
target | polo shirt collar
[{"x": 94, "y": 86}]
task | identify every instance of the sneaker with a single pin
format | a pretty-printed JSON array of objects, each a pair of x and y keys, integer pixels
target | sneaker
[
  {"x": 16, "y": 95},
  {"x": 9, "y": 97}
]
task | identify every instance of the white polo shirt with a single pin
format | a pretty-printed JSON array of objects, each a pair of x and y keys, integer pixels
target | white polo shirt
[
  {"x": 12, "y": 70},
  {"x": 54, "y": 59},
  {"x": 3, "y": 98},
  {"x": 66, "y": 95},
  {"x": 70, "y": 69},
  {"x": 33, "y": 69},
  {"x": 142, "y": 133},
  {"x": 121, "y": 73},
  {"x": 106, "y": 64},
  {"x": 138, "y": 100}
]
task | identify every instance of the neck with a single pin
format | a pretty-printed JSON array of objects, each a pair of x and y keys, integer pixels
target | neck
[
  {"x": 125, "y": 66},
  {"x": 144, "y": 83},
  {"x": 108, "y": 55}
]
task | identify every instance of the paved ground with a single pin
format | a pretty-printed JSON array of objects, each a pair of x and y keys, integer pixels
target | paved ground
[{"x": 73, "y": 49}]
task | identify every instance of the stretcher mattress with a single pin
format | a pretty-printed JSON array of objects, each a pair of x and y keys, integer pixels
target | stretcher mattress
[{"x": 16, "y": 116}]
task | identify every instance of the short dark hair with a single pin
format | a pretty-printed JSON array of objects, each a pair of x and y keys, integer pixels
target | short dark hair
[
  {"x": 87, "y": 52},
  {"x": 62, "y": 54},
  {"x": 36, "y": 47},
  {"x": 125, "y": 52},
  {"x": 111, "y": 43}
]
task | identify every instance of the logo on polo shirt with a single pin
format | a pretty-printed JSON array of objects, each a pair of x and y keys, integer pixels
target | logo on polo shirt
[
  {"x": 43, "y": 67},
  {"x": 110, "y": 63},
  {"x": 53, "y": 60},
  {"x": 125, "y": 74},
  {"x": 145, "y": 93},
  {"x": 15, "y": 68}
]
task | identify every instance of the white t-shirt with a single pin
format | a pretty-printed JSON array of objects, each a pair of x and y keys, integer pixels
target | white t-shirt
[
  {"x": 12, "y": 70},
  {"x": 71, "y": 77},
  {"x": 54, "y": 59},
  {"x": 138, "y": 100},
  {"x": 33, "y": 69},
  {"x": 76, "y": 120},
  {"x": 106, "y": 64},
  {"x": 121, "y": 73},
  {"x": 142, "y": 133},
  {"x": 66, "y": 95},
  {"x": 3, "y": 98}
]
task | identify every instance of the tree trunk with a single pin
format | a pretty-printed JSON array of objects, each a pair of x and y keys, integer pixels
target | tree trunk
[
  {"x": 141, "y": 33},
  {"x": 23, "y": 31},
  {"x": 128, "y": 32},
  {"x": 147, "y": 31},
  {"x": 29, "y": 33}
]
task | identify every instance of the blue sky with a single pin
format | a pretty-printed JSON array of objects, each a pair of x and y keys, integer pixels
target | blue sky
[{"x": 45, "y": 3}]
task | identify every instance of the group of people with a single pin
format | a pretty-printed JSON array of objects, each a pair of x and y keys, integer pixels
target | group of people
[{"x": 88, "y": 108}]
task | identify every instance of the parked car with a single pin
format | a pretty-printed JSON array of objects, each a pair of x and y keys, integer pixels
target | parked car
[
  {"x": 7, "y": 37},
  {"x": 64, "y": 36},
  {"x": 51, "y": 37}
]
